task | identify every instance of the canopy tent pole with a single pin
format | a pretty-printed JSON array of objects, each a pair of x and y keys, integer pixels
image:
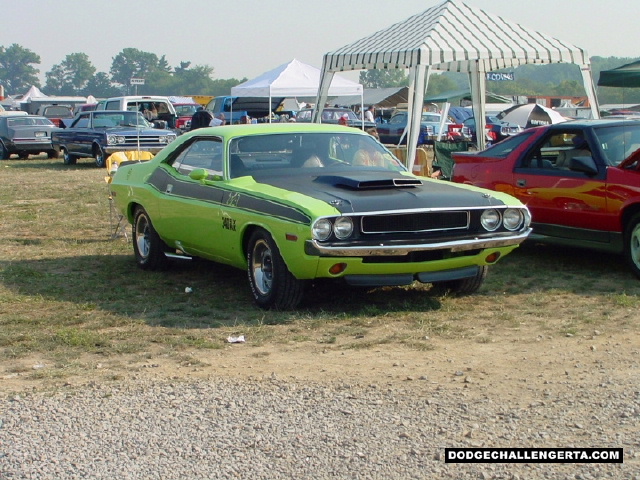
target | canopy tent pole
[
  {"x": 477, "y": 79},
  {"x": 323, "y": 91},
  {"x": 416, "y": 101},
  {"x": 587, "y": 80},
  {"x": 443, "y": 120}
]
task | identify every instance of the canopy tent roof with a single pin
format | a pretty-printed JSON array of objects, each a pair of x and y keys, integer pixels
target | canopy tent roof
[
  {"x": 452, "y": 36},
  {"x": 625, "y": 76},
  {"x": 293, "y": 79}
]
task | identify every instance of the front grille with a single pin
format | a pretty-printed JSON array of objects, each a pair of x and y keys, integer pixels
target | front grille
[
  {"x": 146, "y": 140},
  {"x": 415, "y": 222}
]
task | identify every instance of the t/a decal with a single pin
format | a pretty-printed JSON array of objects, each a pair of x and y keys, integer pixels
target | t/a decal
[{"x": 229, "y": 223}]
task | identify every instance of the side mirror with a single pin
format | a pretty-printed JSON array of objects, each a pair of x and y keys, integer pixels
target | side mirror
[
  {"x": 198, "y": 174},
  {"x": 584, "y": 164}
]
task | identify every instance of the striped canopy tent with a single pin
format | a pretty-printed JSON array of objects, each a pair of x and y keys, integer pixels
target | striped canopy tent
[{"x": 452, "y": 36}]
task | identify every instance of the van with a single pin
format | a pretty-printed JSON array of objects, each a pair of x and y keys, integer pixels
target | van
[{"x": 166, "y": 113}]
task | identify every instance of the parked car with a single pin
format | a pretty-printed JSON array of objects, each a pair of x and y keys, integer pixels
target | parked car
[
  {"x": 392, "y": 131},
  {"x": 496, "y": 129},
  {"x": 580, "y": 180},
  {"x": 98, "y": 134},
  {"x": 291, "y": 202},
  {"x": 338, "y": 116},
  {"x": 59, "y": 115},
  {"x": 184, "y": 112},
  {"x": 23, "y": 135}
]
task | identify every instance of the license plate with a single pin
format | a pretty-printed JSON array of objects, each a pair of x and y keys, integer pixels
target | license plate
[{"x": 41, "y": 134}]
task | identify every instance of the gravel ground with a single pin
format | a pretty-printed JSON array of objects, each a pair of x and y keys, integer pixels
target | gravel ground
[{"x": 269, "y": 428}]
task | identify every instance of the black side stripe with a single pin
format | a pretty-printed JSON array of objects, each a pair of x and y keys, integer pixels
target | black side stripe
[{"x": 224, "y": 197}]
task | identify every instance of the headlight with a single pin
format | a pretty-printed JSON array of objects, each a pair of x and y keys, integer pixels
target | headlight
[
  {"x": 512, "y": 218},
  {"x": 111, "y": 139},
  {"x": 343, "y": 227},
  {"x": 322, "y": 229},
  {"x": 490, "y": 219}
]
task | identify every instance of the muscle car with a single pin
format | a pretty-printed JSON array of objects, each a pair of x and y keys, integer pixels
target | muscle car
[
  {"x": 291, "y": 202},
  {"x": 98, "y": 134}
]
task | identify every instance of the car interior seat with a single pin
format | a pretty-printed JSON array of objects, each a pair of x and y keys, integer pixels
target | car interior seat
[{"x": 580, "y": 149}]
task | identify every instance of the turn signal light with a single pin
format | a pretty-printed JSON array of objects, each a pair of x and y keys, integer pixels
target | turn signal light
[
  {"x": 337, "y": 268},
  {"x": 492, "y": 258}
]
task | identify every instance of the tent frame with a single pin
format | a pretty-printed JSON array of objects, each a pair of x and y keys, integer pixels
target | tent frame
[{"x": 432, "y": 41}]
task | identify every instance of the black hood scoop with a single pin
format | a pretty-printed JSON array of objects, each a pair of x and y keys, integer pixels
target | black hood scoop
[{"x": 368, "y": 182}]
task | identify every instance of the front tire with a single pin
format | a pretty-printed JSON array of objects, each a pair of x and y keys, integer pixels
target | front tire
[
  {"x": 67, "y": 158},
  {"x": 52, "y": 153},
  {"x": 272, "y": 284},
  {"x": 464, "y": 286},
  {"x": 148, "y": 248},
  {"x": 632, "y": 244},
  {"x": 99, "y": 156}
]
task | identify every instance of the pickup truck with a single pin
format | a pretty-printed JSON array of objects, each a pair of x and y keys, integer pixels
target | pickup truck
[
  {"x": 98, "y": 134},
  {"x": 234, "y": 108}
]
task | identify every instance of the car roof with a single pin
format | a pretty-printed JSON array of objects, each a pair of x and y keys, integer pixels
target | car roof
[
  {"x": 590, "y": 123},
  {"x": 268, "y": 128}
]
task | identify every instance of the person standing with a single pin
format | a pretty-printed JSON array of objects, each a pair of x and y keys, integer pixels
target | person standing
[{"x": 369, "y": 114}]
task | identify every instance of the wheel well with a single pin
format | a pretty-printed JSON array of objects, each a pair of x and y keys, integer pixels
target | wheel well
[
  {"x": 629, "y": 212},
  {"x": 246, "y": 236},
  {"x": 95, "y": 147}
]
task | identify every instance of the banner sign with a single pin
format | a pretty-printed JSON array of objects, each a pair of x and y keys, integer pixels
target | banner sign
[{"x": 500, "y": 77}]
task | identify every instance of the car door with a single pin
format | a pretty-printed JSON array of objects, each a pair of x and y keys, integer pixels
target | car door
[
  {"x": 190, "y": 208},
  {"x": 563, "y": 202}
]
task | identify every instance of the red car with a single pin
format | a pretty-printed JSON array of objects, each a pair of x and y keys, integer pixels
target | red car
[
  {"x": 185, "y": 111},
  {"x": 580, "y": 180}
]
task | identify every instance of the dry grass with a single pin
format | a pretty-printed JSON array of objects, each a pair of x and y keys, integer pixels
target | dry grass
[{"x": 71, "y": 295}]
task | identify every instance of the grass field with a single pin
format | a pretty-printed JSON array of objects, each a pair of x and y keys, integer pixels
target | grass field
[{"x": 71, "y": 294}]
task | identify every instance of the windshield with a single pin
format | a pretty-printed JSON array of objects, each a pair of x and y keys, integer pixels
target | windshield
[
  {"x": 286, "y": 154},
  {"x": 119, "y": 119},
  {"x": 618, "y": 142}
]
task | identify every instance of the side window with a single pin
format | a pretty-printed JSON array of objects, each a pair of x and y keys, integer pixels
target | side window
[
  {"x": 112, "y": 105},
  {"x": 555, "y": 151},
  {"x": 202, "y": 153},
  {"x": 82, "y": 122}
]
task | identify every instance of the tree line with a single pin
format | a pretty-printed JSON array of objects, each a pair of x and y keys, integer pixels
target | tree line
[{"x": 77, "y": 76}]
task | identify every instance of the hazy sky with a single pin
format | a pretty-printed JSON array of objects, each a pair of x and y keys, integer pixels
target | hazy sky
[{"x": 245, "y": 38}]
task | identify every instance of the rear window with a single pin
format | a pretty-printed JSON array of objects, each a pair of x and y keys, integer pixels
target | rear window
[{"x": 505, "y": 147}]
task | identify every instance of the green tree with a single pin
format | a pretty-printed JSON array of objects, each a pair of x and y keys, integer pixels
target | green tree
[
  {"x": 71, "y": 77},
  {"x": 100, "y": 86},
  {"x": 132, "y": 63},
  {"x": 384, "y": 78},
  {"x": 17, "y": 73}
]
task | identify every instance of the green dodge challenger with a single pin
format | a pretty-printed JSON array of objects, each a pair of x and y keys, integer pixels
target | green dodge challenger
[{"x": 291, "y": 203}]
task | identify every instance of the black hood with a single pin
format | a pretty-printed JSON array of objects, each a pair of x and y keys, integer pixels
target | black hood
[{"x": 361, "y": 192}]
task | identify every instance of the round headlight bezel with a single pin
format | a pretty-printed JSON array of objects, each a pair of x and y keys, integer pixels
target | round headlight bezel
[
  {"x": 343, "y": 228},
  {"x": 512, "y": 219},
  {"x": 322, "y": 229},
  {"x": 490, "y": 219}
]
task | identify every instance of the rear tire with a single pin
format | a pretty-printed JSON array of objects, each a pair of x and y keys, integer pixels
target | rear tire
[
  {"x": 464, "y": 286},
  {"x": 67, "y": 158},
  {"x": 4, "y": 153},
  {"x": 272, "y": 284},
  {"x": 632, "y": 244},
  {"x": 148, "y": 248},
  {"x": 52, "y": 154}
]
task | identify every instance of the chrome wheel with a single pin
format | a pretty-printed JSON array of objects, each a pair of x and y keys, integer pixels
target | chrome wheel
[{"x": 262, "y": 267}]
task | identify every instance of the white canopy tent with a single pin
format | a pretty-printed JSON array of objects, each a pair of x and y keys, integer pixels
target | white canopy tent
[
  {"x": 452, "y": 37},
  {"x": 295, "y": 79}
]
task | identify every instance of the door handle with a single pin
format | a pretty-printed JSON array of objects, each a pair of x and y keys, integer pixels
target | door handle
[{"x": 521, "y": 183}]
